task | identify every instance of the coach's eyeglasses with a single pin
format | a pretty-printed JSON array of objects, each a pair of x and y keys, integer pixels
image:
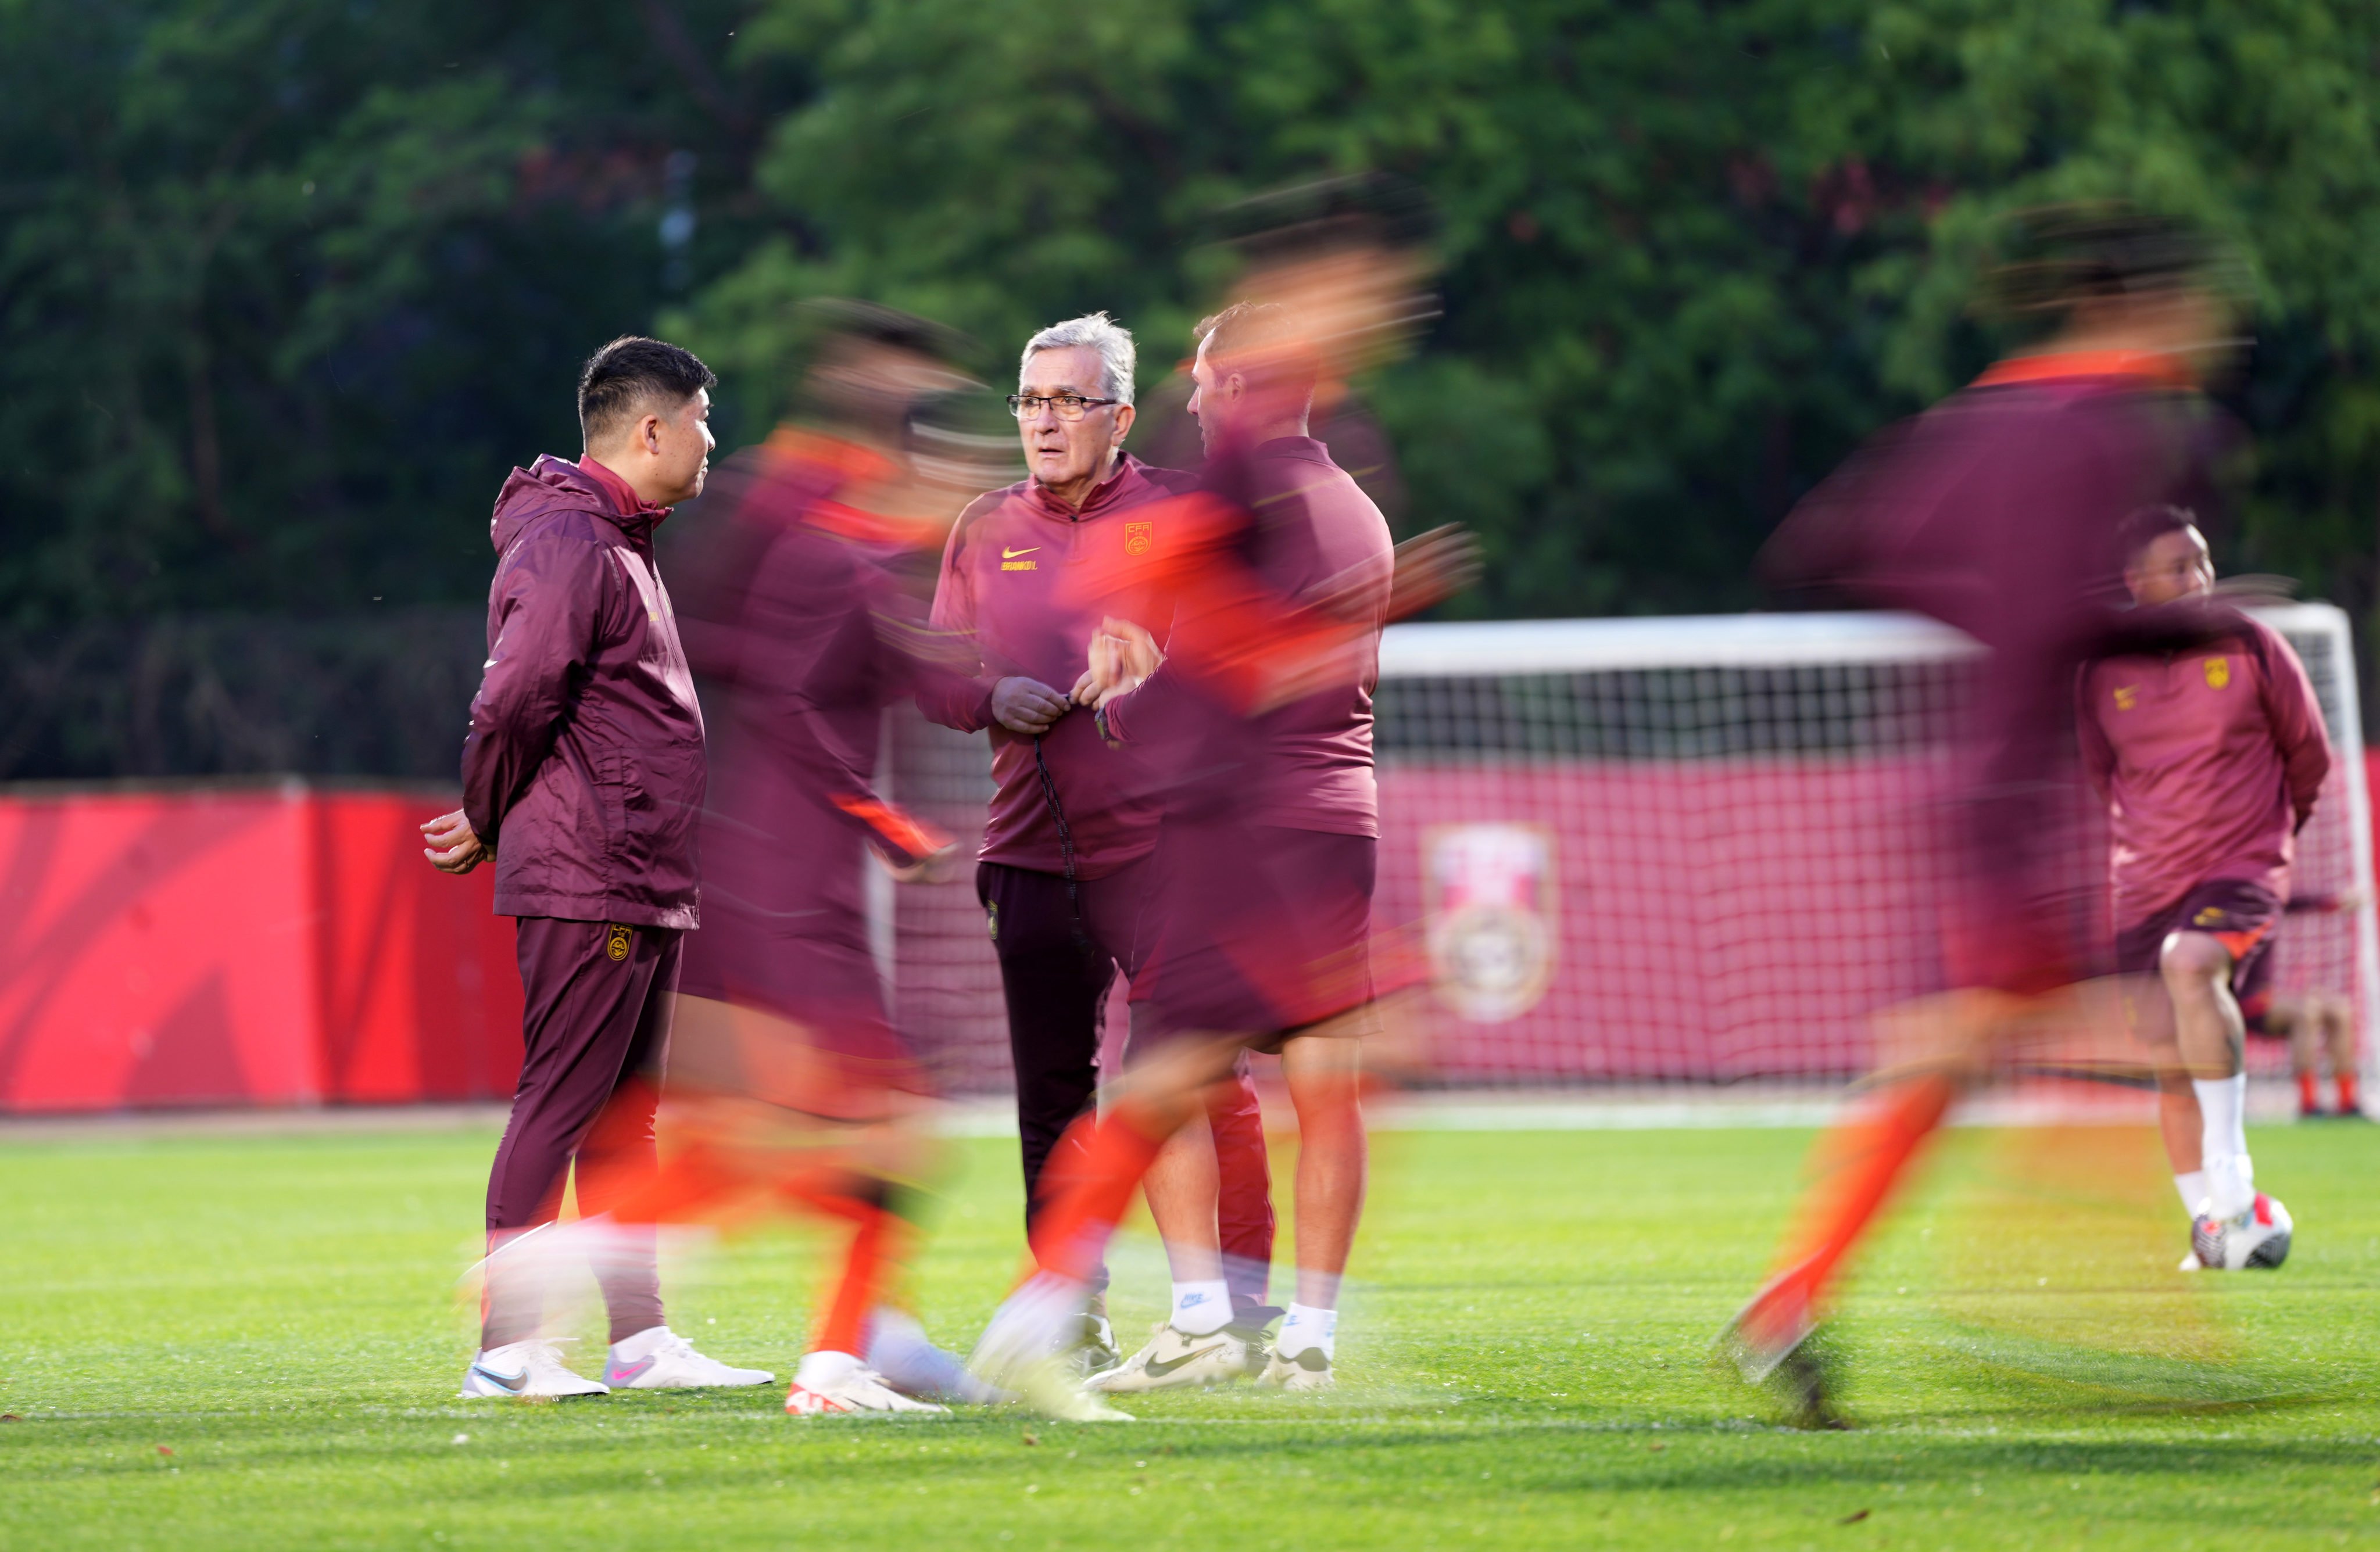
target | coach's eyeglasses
[{"x": 1070, "y": 406}]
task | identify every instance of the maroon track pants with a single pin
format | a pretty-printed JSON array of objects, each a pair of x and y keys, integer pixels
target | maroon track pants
[
  {"x": 594, "y": 1032},
  {"x": 1055, "y": 985}
]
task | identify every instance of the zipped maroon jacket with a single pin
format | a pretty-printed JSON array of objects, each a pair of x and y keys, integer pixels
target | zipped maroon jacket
[
  {"x": 584, "y": 764},
  {"x": 1009, "y": 579}
]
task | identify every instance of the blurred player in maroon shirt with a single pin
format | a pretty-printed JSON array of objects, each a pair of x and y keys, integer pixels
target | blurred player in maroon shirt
[
  {"x": 1065, "y": 848},
  {"x": 582, "y": 777},
  {"x": 2210, "y": 760},
  {"x": 1255, "y": 720},
  {"x": 1997, "y": 513},
  {"x": 805, "y": 614}
]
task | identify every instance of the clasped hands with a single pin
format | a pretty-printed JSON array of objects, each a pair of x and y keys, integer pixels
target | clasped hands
[{"x": 1121, "y": 656}]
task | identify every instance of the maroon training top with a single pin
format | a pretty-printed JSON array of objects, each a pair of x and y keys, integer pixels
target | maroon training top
[
  {"x": 584, "y": 763},
  {"x": 1004, "y": 580},
  {"x": 2210, "y": 760},
  {"x": 802, "y": 635},
  {"x": 1324, "y": 544},
  {"x": 1996, "y": 512}
]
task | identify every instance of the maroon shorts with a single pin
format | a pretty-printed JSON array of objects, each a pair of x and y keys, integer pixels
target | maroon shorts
[
  {"x": 2238, "y": 913},
  {"x": 828, "y": 996},
  {"x": 1259, "y": 932}
]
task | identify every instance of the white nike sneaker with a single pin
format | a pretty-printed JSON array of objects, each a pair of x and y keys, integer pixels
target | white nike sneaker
[
  {"x": 659, "y": 1359},
  {"x": 899, "y": 1354},
  {"x": 1175, "y": 1359},
  {"x": 828, "y": 1383},
  {"x": 527, "y": 1371},
  {"x": 1306, "y": 1370},
  {"x": 2191, "y": 1263}
]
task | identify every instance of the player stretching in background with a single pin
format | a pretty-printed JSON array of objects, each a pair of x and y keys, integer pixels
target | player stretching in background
[
  {"x": 582, "y": 779},
  {"x": 2210, "y": 760},
  {"x": 1997, "y": 513}
]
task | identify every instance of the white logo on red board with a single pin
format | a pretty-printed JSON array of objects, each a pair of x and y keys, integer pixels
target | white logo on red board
[{"x": 1490, "y": 891}]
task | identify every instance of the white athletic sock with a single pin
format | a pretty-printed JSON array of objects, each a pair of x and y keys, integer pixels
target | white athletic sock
[
  {"x": 2193, "y": 1187},
  {"x": 1201, "y": 1309},
  {"x": 1305, "y": 1326},
  {"x": 2223, "y": 1142}
]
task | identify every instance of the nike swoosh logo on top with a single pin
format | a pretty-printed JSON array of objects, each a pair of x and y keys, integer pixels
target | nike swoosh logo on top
[
  {"x": 1008, "y": 554},
  {"x": 628, "y": 1373},
  {"x": 507, "y": 1382},
  {"x": 1159, "y": 1368}
]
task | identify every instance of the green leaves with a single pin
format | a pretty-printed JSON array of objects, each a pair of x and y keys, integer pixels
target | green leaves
[{"x": 284, "y": 288}]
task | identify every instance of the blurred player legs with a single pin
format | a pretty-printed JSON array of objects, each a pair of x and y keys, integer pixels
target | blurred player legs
[{"x": 1997, "y": 513}]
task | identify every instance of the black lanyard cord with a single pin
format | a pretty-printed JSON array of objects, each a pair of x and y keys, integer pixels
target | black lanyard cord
[{"x": 1065, "y": 844}]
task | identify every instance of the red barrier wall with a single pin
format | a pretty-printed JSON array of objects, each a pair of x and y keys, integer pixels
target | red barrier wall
[{"x": 280, "y": 946}]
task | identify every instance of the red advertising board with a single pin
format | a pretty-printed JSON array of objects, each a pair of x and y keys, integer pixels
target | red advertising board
[{"x": 245, "y": 946}]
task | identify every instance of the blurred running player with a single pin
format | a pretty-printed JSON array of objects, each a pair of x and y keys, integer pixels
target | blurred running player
[
  {"x": 1064, "y": 860},
  {"x": 789, "y": 1088},
  {"x": 2210, "y": 760},
  {"x": 1255, "y": 720},
  {"x": 1354, "y": 254},
  {"x": 1997, "y": 513},
  {"x": 582, "y": 778}
]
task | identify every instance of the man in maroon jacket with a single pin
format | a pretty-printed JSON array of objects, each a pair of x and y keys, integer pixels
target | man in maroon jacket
[
  {"x": 1062, "y": 868},
  {"x": 583, "y": 781},
  {"x": 2210, "y": 760}
]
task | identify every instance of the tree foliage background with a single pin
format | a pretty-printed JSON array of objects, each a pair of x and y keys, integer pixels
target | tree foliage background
[{"x": 285, "y": 287}]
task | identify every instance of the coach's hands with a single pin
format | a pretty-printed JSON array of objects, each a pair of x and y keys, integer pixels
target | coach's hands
[
  {"x": 1026, "y": 706},
  {"x": 453, "y": 846}
]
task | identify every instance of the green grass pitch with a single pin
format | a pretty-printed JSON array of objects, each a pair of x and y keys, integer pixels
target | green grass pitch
[{"x": 254, "y": 1342}]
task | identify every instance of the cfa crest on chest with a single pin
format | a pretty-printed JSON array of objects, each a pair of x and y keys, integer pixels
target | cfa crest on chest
[
  {"x": 2127, "y": 696},
  {"x": 2218, "y": 672},
  {"x": 1139, "y": 539}
]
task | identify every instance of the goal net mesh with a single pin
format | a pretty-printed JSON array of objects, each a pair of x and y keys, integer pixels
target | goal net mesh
[{"x": 1673, "y": 852}]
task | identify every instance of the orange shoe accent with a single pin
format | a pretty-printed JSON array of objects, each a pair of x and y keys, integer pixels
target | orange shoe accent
[
  {"x": 2309, "y": 1093},
  {"x": 2349, "y": 1101}
]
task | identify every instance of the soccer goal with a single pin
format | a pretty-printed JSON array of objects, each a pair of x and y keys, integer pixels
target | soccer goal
[
  {"x": 1702, "y": 851},
  {"x": 1681, "y": 852}
]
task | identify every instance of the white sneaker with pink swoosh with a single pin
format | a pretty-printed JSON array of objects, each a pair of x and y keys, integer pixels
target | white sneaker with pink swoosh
[{"x": 659, "y": 1359}]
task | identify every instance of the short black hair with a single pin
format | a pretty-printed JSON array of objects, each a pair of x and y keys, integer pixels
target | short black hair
[
  {"x": 627, "y": 372},
  {"x": 2145, "y": 526}
]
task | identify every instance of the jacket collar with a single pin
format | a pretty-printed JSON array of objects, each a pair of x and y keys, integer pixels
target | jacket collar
[{"x": 1106, "y": 494}]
